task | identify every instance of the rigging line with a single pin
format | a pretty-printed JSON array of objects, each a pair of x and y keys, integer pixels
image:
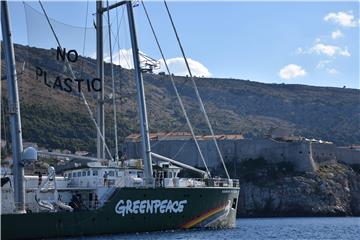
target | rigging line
[
  {"x": 176, "y": 90},
  {"x": 117, "y": 43},
  {"x": 126, "y": 43},
  {"x": 117, "y": 38},
  {"x": 118, "y": 26},
  {"x": 118, "y": 51},
  {"x": 84, "y": 41},
  {"x": 2, "y": 113},
  {"x": 113, "y": 86},
  {"x": 3, "y": 118},
  {"x": 196, "y": 90},
  {"x": 180, "y": 150},
  {"x": 73, "y": 76}
]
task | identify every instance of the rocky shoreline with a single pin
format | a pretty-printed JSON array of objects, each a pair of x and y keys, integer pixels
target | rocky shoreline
[{"x": 333, "y": 190}]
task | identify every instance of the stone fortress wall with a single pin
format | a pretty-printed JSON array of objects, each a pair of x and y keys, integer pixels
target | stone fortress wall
[{"x": 306, "y": 155}]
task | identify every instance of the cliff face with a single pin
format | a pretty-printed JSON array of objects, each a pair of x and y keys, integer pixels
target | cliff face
[{"x": 332, "y": 190}]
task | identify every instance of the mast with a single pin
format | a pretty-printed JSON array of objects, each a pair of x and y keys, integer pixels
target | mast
[
  {"x": 14, "y": 110},
  {"x": 100, "y": 119},
  {"x": 144, "y": 128}
]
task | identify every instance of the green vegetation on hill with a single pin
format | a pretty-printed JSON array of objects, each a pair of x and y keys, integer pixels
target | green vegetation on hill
[{"x": 56, "y": 119}]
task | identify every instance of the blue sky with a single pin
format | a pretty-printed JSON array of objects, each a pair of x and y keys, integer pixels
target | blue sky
[{"x": 313, "y": 43}]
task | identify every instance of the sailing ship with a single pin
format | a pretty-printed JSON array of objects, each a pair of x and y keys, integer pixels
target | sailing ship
[{"x": 106, "y": 196}]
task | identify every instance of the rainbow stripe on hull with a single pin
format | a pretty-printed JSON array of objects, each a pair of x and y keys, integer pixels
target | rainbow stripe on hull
[{"x": 208, "y": 218}]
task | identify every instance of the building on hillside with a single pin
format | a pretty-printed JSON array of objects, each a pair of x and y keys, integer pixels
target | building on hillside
[
  {"x": 234, "y": 148},
  {"x": 305, "y": 154}
]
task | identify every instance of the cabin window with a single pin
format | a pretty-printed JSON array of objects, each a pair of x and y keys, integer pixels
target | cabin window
[
  {"x": 90, "y": 198},
  {"x": 140, "y": 174},
  {"x": 79, "y": 174},
  {"x": 88, "y": 172},
  {"x": 74, "y": 174},
  {"x": 95, "y": 173},
  {"x": 111, "y": 173},
  {"x": 84, "y": 173}
]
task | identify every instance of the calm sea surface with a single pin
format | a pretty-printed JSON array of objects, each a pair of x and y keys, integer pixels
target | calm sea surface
[{"x": 262, "y": 228}]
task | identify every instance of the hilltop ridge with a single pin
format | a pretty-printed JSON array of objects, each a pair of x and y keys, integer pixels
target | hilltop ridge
[{"x": 57, "y": 119}]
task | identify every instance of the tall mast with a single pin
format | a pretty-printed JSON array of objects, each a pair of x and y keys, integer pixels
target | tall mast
[
  {"x": 144, "y": 128},
  {"x": 14, "y": 110},
  {"x": 100, "y": 119}
]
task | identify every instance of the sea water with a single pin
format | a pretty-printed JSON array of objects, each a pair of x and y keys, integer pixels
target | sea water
[{"x": 347, "y": 228}]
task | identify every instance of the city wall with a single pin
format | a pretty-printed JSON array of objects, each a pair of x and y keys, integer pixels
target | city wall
[{"x": 299, "y": 153}]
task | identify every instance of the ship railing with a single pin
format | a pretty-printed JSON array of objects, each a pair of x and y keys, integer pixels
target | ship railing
[
  {"x": 222, "y": 182},
  {"x": 213, "y": 182}
]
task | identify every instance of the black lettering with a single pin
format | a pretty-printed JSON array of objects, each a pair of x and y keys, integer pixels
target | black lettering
[
  {"x": 93, "y": 85},
  {"x": 57, "y": 83},
  {"x": 38, "y": 72},
  {"x": 88, "y": 85},
  {"x": 62, "y": 54},
  {"x": 68, "y": 89},
  {"x": 72, "y": 57},
  {"x": 79, "y": 83},
  {"x": 47, "y": 84}
]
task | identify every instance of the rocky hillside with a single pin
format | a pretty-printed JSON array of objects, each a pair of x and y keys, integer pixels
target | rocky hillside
[
  {"x": 58, "y": 119},
  {"x": 333, "y": 190}
]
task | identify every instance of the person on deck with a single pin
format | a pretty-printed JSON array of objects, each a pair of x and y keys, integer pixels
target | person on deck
[
  {"x": 106, "y": 179},
  {"x": 40, "y": 179}
]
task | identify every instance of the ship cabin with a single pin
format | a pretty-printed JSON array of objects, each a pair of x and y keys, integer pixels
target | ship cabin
[
  {"x": 130, "y": 174},
  {"x": 95, "y": 175},
  {"x": 166, "y": 174}
]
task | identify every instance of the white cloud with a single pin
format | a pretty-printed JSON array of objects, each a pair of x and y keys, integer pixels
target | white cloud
[
  {"x": 292, "y": 71},
  {"x": 322, "y": 64},
  {"x": 329, "y": 50},
  {"x": 332, "y": 71},
  {"x": 300, "y": 50},
  {"x": 124, "y": 56},
  {"x": 336, "y": 34},
  {"x": 345, "y": 19},
  {"x": 177, "y": 67}
]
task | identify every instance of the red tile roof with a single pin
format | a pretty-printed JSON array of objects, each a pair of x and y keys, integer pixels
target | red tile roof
[{"x": 183, "y": 136}]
